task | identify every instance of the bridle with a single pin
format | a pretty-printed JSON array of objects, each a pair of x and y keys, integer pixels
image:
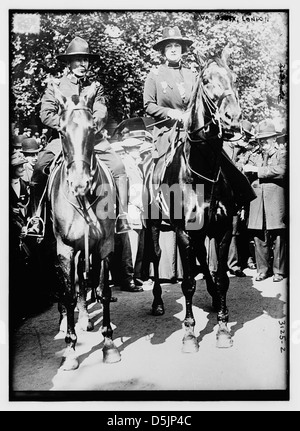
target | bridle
[
  {"x": 90, "y": 162},
  {"x": 214, "y": 116}
]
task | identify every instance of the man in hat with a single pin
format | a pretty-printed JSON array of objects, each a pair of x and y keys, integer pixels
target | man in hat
[
  {"x": 19, "y": 195},
  {"x": 78, "y": 58},
  {"x": 30, "y": 149},
  {"x": 121, "y": 263},
  {"x": 239, "y": 255},
  {"x": 267, "y": 216},
  {"x": 136, "y": 127}
]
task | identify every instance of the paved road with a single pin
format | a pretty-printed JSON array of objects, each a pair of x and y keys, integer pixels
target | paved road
[{"x": 151, "y": 346}]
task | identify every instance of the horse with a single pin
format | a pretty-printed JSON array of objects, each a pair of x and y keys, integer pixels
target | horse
[
  {"x": 82, "y": 200},
  {"x": 194, "y": 195}
]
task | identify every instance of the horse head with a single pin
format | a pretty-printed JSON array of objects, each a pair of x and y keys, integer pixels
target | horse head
[
  {"x": 220, "y": 103},
  {"x": 77, "y": 135}
]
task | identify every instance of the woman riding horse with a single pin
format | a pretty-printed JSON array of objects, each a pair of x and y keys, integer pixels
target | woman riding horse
[{"x": 193, "y": 158}]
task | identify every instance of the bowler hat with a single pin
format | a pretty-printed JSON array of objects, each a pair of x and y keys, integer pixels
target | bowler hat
[
  {"x": 172, "y": 34},
  {"x": 17, "y": 159},
  {"x": 30, "y": 145},
  {"x": 17, "y": 141},
  {"x": 266, "y": 129},
  {"x": 77, "y": 46}
]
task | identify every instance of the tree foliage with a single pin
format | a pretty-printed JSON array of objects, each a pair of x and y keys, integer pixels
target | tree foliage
[{"x": 258, "y": 42}]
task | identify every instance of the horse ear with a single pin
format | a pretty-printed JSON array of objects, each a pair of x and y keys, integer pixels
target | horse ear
[
  {"x": 60, "y": 98},
  {"x": 200, "y": 57},
  {"x": 89, "y": 96}
]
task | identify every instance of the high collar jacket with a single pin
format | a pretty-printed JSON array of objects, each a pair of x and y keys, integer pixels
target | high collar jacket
[
  {"x": 167, "y": 88},
  {"x": 69, "y": 85}
]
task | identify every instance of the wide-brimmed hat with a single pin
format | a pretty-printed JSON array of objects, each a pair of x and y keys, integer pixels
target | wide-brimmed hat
[
  {"x": 17, "y": 159},
  {"x": 266, "y": 129},
  {"x": 30, "y": 146},
  {"x": 77, "y": 46},
  {"x": 135, "y": 127},
  {"x": 172, "y": 34}
]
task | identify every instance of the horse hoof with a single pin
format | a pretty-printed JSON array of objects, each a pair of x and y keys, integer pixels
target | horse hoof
[
  {"x": 69, "y": 364},
  {"x": 158, "y": 310},
  {"x": 111, "y": 356},
  {"x": 190, "y": 345},
  {"x": 224, "y": 341}
]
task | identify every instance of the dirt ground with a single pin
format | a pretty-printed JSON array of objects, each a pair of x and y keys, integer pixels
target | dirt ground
[{"x": 150, "y": 347}]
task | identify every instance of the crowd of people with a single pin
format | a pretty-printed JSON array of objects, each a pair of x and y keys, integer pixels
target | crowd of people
[{"x": 260, "y": 152}]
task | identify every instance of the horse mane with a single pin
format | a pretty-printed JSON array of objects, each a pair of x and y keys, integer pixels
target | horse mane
[
  {"x": 221, "y": 63},
  {"x": 194, "y": 103}
]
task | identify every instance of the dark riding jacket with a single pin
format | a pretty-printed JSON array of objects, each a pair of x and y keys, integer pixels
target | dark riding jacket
[
  {"x": 69, "y": 85},
  {"x": 167, "y": 88}
]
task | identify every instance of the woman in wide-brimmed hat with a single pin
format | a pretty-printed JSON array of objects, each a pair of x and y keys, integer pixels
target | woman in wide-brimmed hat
[
  {"x": 168, "y": 88},
  {"x": 77, "y": 58}
]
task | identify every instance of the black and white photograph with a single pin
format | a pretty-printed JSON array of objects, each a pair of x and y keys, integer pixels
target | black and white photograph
[{"x": 150, "y": 196}]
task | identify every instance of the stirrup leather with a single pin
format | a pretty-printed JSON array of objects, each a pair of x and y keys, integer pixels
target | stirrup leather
[{"x": 36, "y": 220}]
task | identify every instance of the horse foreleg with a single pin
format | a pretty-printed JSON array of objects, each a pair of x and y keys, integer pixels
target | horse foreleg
[
  {"x": 201, "y": 254},
  {"x": 157, "y": 304},
  {"x": 65, "y": 256},
  {"x": 224, "y": 339},
  {"x": 84, "y": 321},
  {"x": 110, "y": 352},
  {"x": 189, "y": 342}
]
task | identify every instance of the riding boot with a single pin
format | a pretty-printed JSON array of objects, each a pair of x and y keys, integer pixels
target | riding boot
[{"x": 122, "y": 224}]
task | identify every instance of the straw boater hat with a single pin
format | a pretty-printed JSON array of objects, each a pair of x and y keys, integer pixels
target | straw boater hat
[
  {"x": 17, "y": 159},
  {"x": 30, "y": 146},
  {"x": 266, "y": 129},
  {"x": 172, "y": 34},
  {"x": 77, "y": 46}
]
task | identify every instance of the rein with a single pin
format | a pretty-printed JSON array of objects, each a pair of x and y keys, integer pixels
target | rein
[{"x": 215, "y": 119}]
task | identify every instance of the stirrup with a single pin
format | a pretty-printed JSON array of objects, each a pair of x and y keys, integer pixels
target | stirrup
[{"x": 35, "y": 221}]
